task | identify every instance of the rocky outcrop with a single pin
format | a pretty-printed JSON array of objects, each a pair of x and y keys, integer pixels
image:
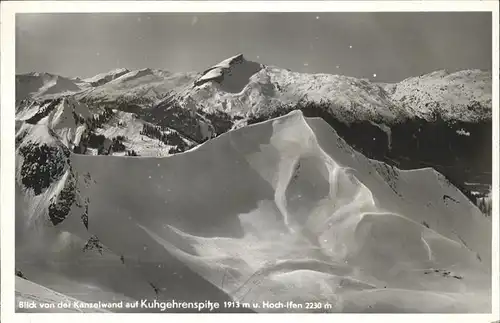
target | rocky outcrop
[{"x": 41, "y": 165}]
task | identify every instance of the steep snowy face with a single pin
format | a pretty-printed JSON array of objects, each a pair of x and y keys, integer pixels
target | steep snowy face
[
  {"x": 43, "y": 173},
  {"x": 296, "y": 215},
  {"x": 37, "y": 85}
]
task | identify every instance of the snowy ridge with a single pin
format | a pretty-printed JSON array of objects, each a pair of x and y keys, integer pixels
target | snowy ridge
[
  {"x": 243, "y": 88},
  {"x": 103, "y": 78},
  {"x": 142, "y": 87},
  {"x": 296, "y": 214}
]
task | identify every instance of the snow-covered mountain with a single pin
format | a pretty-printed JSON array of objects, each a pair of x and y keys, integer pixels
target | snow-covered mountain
[
  {"x": 324, "y": 200},
  {"x": 296, "y": 215},
  {"x": 242, "y": 88},
  {"x": 143, "y": 87},
  {"x": 88, "y": 129},
  {"x": 440, "y": 120},
  {"x": 256, "y": 86}
]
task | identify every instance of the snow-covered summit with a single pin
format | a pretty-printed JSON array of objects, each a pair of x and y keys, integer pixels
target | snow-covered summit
[{"x": 232, "y": 74}]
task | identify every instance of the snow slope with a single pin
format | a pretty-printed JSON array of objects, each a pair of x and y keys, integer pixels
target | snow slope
[
  {"x": 296, "y": 215},
  {"x": 68, "y": 121},
  {"x": 29, "y": 292},
  {"x": 60, "y": 116},
  {"x": 438, "y": 120}
]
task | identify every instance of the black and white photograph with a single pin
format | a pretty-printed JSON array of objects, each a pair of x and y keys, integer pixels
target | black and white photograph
[{"x": 254, "y": 162}]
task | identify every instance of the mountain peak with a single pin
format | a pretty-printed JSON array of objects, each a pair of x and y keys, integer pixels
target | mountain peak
[
  {"x": 232, "y": 74},
  {"x": 231, "y": 61}
]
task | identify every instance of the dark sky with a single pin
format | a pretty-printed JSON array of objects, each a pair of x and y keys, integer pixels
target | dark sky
[{"x": 391, "y": 45}]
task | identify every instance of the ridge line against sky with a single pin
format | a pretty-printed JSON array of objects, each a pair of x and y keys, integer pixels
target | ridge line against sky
[{"x": 392, "y": 46}]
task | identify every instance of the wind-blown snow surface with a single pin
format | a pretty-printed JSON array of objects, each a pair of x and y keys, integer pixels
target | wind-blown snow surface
[
  {"x": 282, "y": 210},
  {"x": 29, "y": 292}
]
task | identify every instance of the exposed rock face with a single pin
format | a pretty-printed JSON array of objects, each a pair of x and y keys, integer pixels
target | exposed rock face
[{"x": 42, "y": 165}]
